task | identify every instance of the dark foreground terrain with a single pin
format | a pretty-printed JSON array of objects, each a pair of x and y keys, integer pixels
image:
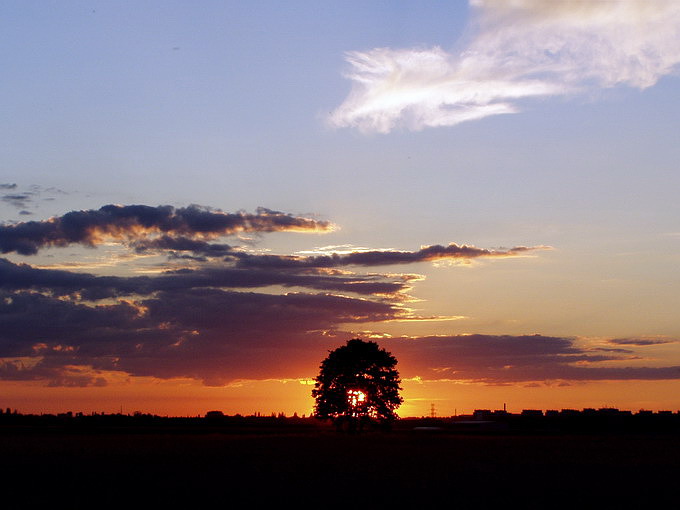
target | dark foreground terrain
[{"x": 318, "y": 467}]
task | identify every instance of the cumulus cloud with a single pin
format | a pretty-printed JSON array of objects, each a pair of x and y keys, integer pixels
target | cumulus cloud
[
  {"x": 520, "y": 50},
  {"x": 139, "y": 221}
]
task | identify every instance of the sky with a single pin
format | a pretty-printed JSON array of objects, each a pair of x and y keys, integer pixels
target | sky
[{"x": 199, "y": 201}]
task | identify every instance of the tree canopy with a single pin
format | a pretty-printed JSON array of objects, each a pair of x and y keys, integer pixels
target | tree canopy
[{"x": 358, "y": 380}]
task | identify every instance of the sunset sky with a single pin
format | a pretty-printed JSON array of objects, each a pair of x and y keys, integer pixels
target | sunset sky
[{"x": 199, "y": 200}]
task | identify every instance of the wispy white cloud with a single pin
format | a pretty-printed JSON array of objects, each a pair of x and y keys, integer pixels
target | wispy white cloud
[{"x": 521, "y": 49}]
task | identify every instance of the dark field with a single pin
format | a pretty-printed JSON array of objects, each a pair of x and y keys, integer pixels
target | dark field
[{"x": 318, "y": 467}]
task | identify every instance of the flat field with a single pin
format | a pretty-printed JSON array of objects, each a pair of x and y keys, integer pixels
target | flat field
[{"x": 320, "y": 467}]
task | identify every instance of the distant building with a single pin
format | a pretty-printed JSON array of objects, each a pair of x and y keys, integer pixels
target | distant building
[
  {"x": 569, "y": 412},
  {"x": 481, "y": 414},
  {"x": 608, "y": 411}
]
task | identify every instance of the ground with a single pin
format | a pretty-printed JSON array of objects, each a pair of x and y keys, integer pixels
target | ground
[{"x": 322, "y": 468}]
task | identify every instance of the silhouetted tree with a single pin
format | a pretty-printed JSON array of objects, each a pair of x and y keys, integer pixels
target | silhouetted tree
[{"x": 356, "y": 383}]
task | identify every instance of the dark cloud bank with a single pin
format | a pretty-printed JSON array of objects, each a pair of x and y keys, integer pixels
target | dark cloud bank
[
  {"x": 138, "y": 221},
  {"x": 233, "y": 314}
]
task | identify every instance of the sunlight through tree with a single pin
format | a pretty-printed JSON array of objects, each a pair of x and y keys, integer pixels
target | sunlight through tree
[{"x": 357, "y": 383}]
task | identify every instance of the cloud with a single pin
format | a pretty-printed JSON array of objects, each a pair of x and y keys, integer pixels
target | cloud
[
  {"x": 495, "y": 359},
  {"x": 520, "y": 50},
  {"x": 186, "y": 233},
  {"x": 240, "y": 315},
  {"x": 203, "y": 250},
  {"x": 91, "y": 287},
  {"x": 18, "y": 200},
  {"x": 175, "y": 245},
  {"x": 640, "y": 341},
  {"x": 70, "y": 376},
  {"x": 208, "y": 334},
  {"x": 132, "y": 222},
  {"x": 218, "y": 335},
  {"x": 28, "y": 199},
  {"x": 380, "y": 257}
]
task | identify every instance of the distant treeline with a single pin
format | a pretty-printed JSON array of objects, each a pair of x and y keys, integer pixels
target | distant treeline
[
  {"x": 604, "y": 420},
  {"x": 139, "y": 420}
]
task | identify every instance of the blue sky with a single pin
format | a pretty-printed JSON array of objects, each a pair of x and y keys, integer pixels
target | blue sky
[{"x": 231, "y": 105}]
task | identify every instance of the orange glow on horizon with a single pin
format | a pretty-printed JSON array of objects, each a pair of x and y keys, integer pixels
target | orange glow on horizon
[{"x": 186, "y": 397}]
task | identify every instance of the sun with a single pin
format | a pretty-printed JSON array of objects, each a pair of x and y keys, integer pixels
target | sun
[{"x": 355, "y": 398}]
